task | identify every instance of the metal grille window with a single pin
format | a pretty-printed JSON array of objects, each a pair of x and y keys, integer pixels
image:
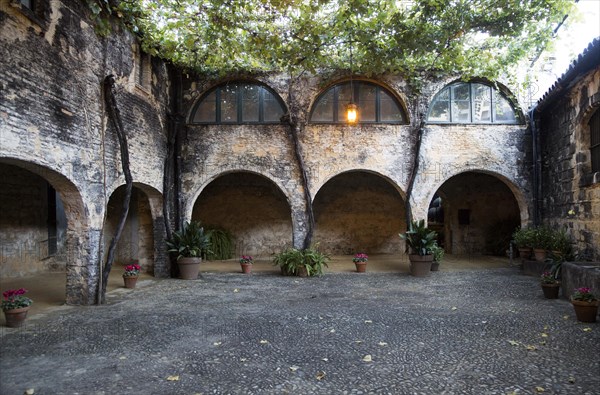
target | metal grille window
[
  {"x": 239, "y": 103},
  {"x": 595, "y": 141},
  {"x": 471, "y": 102},
  {"x": 375, "y": 104}
]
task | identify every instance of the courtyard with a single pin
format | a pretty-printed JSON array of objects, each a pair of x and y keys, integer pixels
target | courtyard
[{"x": 478, "y": 329}]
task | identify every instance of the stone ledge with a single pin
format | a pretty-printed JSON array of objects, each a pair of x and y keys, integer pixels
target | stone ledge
[{"x": 580, "y": 274}]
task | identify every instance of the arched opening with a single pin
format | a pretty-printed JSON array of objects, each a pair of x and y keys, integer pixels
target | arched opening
[
  {"x": 252, "y": 208},
  {"x": 358, "y": 211},
  {"x": 136, "y": 243},
  {"x": 475, "y": 213},
  {"x": 43, "y": 227}
]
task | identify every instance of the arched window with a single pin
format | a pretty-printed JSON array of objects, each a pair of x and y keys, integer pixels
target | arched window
[
  {"x": 595, "y": 141},
  {"x": 238, "y": 103},
  {"x": 375, "y": 104},
  {"x": 471, "y": 102}
]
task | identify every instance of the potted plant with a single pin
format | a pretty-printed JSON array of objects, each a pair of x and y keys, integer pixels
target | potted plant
[
  {"x": 550, "y": 285},
  {"x": 246, "y": 263},
  {"x": 419, "y": 241},
  {"x": 523, "y": 238},
  {"x": 360, "y": 261},
  {"x": 560, "y": 244},
  {"x": 585, "y": 304},
  {"x": 15, "y": 307},
  {"x": 542, "y": 239},
  {"x": 438, "y": 255},
  {"x": 131, "y": 275},
  {"x": 302, "y": 263},
  {"x": 189, "y": 243}
]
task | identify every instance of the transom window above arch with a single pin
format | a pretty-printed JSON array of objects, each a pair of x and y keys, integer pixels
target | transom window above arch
[
  {"x": 471, "y": 102},
  {"x": 239, "y": 103},
  {"x": 375, "y": 104}
]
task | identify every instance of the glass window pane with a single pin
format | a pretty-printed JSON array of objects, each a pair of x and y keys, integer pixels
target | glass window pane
[
  {"x": 482, "y": 103},
  {"x": 461, "y": 111},
  {"x": 207, "y": 109},
  {"x": 504, "y": 111},
  {"x": 228, "y": 103},
  {"x": 323, "y": 110},
  {"x": 367, "y": 95},
  {"x": 389, "y": 109},
  {"x": 250, "y": 100},
  {"x": 273, "y": 111},
  {"x": 344, "y": 94},
  {"x": 460, "y": 92},
  {"x": 440, "y": 111}
]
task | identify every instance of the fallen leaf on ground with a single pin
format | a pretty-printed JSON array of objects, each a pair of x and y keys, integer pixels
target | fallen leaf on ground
[
  {"x": 367, "y": 358},
  {"x": 565, "y": 317},
  {"x": 531, "y": 348},
  {"x": 264, "y": 341},
  {"x": 29, "y": 391},
  {"x": 544, "y": 335},
  {"x": 243, "y": 359},
  {"x": 325, "y": 359},
  {"x": 294, "y": 368},
  {"x": 236, "y": 290},
  {"x": 173, "y": 378},
  {"x": 320, "y": 375},
  {"x": 332, "y": 331},
  {"x": 513, "y": 343},
  {"x": 122, "y": 357},
  {"x": 587, "y": 329},
  {"x": 368, "y": 322},
  {"x": 216, "y": 343},
  {"x": 357, "y": 341},
  {"x": 539, "y": 389},
  {"x": 572, "y": 380},
  {"x": 382, "y": 344},
  {"x": 454, "y": 308},
  {"x": 545, "y": 327}
]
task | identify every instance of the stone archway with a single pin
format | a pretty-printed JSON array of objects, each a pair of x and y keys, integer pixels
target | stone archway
[
  {"x": 29, "y": 187},
  {"x": 480, "y": 212},
  {"x": 251, "y": 207},
  {"x": 142, "y": 239},
  {"x": 359, "y": 211}
]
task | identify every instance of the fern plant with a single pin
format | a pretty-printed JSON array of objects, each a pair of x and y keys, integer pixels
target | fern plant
[{"x": 221, "y": 244}]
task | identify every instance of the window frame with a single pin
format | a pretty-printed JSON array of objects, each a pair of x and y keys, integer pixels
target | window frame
[
  {"x": 356, "y": 94},
  {"x": 492, "y": 100},
  {"x": 239, "y": 101}
]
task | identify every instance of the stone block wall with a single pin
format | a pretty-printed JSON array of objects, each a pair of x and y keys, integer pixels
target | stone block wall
[
  {"x": 53, "y": 121},
  {"x": 571, "y": 192}
]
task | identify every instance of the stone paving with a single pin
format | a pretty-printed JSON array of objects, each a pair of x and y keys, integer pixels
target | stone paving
[{"x": 472, "y": 332}]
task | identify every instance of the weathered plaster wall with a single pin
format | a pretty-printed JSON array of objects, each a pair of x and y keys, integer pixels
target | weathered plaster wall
[
  {"x": 52, "y": 119},
  {"x": 571, "y": 192}
]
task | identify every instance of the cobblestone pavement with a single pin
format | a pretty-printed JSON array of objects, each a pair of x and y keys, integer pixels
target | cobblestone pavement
[{"x": 473, "y": 332}]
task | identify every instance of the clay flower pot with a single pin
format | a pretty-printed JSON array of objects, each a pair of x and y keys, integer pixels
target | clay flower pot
[
  {"x": 361, "y": 267},
  {"x": 585, "y": 311},
  {"x": 189, "y": 268},
  {"x": 16, "y": 317},
  {"x": 246, "y": 268},
  {"x": 130, "y": 281},
  {"x": 551, "y": 290},
  {"x": 420, "y": 265}
]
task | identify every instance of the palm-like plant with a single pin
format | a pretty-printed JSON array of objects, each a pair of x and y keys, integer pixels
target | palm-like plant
[
  {"x": 419, "y": 238},
  {"x": 189, "y": 242}
]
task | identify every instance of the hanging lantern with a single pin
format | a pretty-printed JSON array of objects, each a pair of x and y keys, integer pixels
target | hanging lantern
[{"x": 352, "y": 113}]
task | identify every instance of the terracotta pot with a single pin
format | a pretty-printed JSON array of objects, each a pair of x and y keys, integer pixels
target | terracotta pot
[
  {"x": 130, "y": 281},
  {"x": 551, "y": 290},
  {"x": 189, "y": 268},
  {"x": 525, "y": 253},
  {"x": 585, "y": 311},
  {"x": 361, "y": 267},
  {"x": 435, "y": 266},
  {"x": 246, "y": 268},
  {"x": 16, "y": 317},
  {"x": 540, "y": 254},
  {"x": 301, "y": 271},
  {"x": 420, "y": 265}
]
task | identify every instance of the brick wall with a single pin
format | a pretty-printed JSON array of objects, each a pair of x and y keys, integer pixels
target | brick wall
[{"x": 571, "y": 192}]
